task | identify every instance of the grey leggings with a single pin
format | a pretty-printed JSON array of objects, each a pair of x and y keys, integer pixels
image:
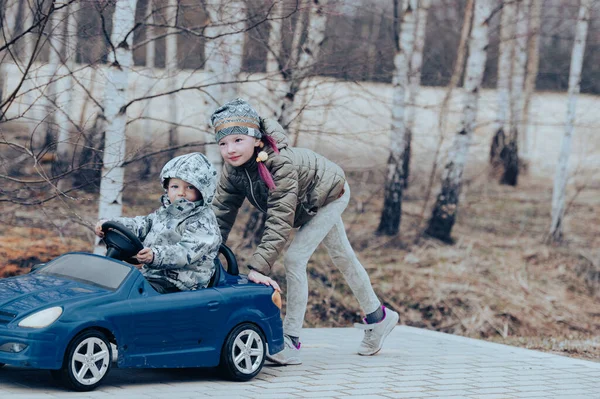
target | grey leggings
[{"x": 327, "y": 227}]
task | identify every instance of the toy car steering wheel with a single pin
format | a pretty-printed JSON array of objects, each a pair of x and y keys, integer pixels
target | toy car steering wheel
[{"x": 120, "y": 242}]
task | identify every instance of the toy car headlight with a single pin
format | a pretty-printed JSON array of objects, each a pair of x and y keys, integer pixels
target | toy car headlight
[{"x": 42, "y": 319}]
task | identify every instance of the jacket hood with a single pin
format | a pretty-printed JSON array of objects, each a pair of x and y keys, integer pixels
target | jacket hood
[
  {"x": 195, "y": 169},
  {"x": 275, "y": 130}
]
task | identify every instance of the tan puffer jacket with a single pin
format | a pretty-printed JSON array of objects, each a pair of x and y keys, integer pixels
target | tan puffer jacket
[{"x": 305, "y": 181}]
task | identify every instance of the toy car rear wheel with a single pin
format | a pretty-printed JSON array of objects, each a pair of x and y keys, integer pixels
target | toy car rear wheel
[
  {"x": 87, "y": 361},
  {"x": 244, "y": 353}
]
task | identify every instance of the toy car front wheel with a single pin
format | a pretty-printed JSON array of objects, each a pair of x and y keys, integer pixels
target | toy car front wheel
[
  {"x": 243, "y": 354},
  {"x": 87, "y": 361}
]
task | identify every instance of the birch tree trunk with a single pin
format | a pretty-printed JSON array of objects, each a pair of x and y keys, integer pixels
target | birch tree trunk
[
  {"x": 309, "y": 53},
  {"x": 273, "y": 67},
  {"x": 172, "y": 67},
  {"x": 64, "y": 88},
  {"x": 505, "y": 56},
  {"x": 510, "y": 153},
  {"x": 115, "y": 97},
  {"x": 30, "y": 86},
  {"x": 223, "y": 52},
  {"x": 444, "y": 212},
  {"x": 562, "y": 168},
  {"x": 295, "y": 49},
  {"x": 56, "y": 40},
  {"x": 533, "y": 59},
  {"x": 253, "y": 230},
  {"x": 414, "y": 82},
  {"x": 375, "y": 29},
  {"x": 457, "y": 71},
  {"x": 150, "y": 64},
  {"x": 389, "y": 223}
]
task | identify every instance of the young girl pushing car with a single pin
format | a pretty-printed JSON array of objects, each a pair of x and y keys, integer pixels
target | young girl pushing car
[{"x": 296, "y": 188}]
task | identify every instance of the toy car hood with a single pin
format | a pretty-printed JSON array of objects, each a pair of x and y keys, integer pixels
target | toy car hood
[{"x": 27, "y": 293}]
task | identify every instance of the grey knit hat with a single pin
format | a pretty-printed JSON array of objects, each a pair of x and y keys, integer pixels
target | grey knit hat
[{"x": 235, "y": 117}]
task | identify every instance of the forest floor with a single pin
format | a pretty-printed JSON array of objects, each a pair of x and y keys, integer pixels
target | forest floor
[{"x": 498, "y": 282}]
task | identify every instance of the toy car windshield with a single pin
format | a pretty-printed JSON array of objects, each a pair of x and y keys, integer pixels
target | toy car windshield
[{"x": 86, "y": 269}]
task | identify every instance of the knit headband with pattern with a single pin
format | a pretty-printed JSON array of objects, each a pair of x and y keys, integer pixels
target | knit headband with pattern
[{"x": 235, "y": 117}]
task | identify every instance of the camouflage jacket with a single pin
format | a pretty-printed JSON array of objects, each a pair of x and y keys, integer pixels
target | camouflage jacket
[{"x": 184, "y": 235}]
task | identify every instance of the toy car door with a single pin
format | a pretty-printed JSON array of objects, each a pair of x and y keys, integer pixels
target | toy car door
[{"x": 175, "y": 330}]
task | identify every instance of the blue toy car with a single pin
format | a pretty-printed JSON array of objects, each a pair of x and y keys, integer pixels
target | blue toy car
[{"x": 64, "y": 315}]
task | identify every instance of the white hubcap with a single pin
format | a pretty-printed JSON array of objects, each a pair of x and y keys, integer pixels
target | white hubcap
[
  {"x": 90, "y": 361},
  {"x": 248, "y": 351}
]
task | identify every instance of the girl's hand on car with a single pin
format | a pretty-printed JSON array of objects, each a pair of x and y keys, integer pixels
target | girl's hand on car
[
  {"x": 146, "y": 255},
  {"x": 98, "y": 228},
  {"x": 260, "y": 278}
]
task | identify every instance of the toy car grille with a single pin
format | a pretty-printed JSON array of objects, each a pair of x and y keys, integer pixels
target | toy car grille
[{"x": 6, "y": 317}]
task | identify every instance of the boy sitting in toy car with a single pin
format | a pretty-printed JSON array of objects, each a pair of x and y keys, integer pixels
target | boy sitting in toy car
[{"x": 181, "y": 239}]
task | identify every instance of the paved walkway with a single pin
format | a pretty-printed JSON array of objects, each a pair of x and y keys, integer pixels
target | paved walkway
[{"x": 414, "y": 363}]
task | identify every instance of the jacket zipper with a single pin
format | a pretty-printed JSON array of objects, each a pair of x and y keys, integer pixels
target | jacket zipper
[{"x": 252, "y": 192}]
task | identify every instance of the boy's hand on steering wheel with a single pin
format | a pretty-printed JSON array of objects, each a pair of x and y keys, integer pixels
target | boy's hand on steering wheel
[
  {"x": 260, "y": 278},
  {"x": 98, "y": 228},
  {"x": 146, "y": 255}
]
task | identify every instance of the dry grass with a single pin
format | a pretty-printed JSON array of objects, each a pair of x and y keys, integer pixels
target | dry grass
[
  {"x": 497, "y": 282},
  {"x": 22, "y": 247}
]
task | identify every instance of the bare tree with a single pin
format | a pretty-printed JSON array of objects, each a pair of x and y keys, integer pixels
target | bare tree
[
  {"x": 562, "y": 174},
  {"x": 510, "y": 153},
  {"x": 223, "y": 52},
  {"x": 150, "y": 64},
  {"x": 405, "y": 17},
  {"x": 10, "y": 10},
  {"x": 115, "y": 98},
  {"x": 172, "y": 67},
  {"x": 533, "y": 59},
  {"x": 414, "y": 81},
  {"x": 505, "y": 56},
  {"x": 308, "y": 54},
  {"x": 56, "y": 40},
  {"x": 66, "y": 42},
  {"x": 273, "y": 66},
  {"x": 254, "y": 228},
  {"x": 444, "y": 211},
  {"x": 457, "y": 72},
  {"x": 32, "y": 90}
]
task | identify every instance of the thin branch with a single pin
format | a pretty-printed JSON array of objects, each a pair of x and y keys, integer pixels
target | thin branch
[
  {"x": 162, "y": 151},
  {"x": 13, "y": 95},
  {"x": 35, "y": 25}
]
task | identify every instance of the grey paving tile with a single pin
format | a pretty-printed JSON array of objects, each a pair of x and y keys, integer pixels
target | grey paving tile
[
  {"x": 448, "y": 395},
  {"x": 320, "y": 394},
  {"x": 317, "y": 388},
  {"x": 532, "y": 394},
  {"x": 364, "y": 392},
  {"x": 496, "y": 390},
  {"x": 9, "y": 395},
  {"x": 583, "y": 393},
  {"x": 403, "y": 395}
]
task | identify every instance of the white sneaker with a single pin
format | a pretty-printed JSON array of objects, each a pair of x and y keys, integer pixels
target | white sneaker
[
  {"x": 375, "y": 333},
  {"x": 290, "y": 355}
]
